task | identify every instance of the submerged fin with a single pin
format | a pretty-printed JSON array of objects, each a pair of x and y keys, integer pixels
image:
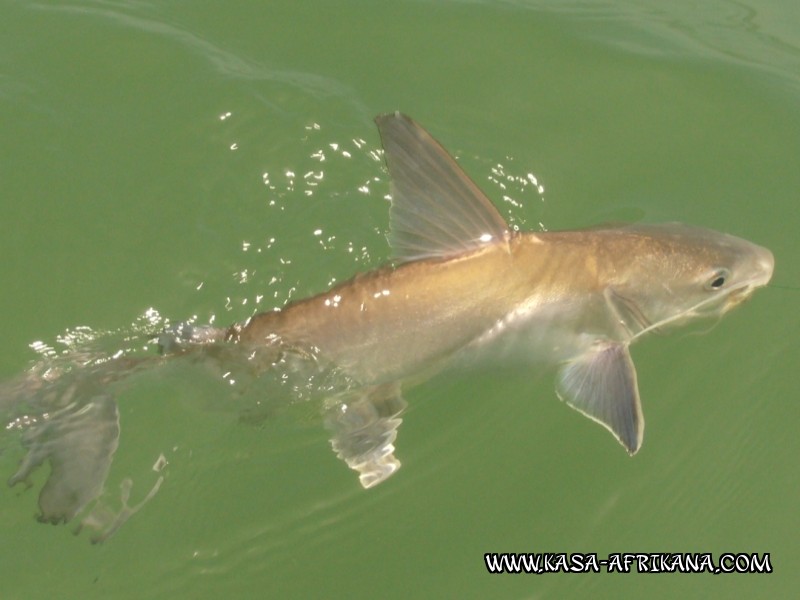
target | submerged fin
[
  {"x": 364, "y": 426},
  {"x": 601, "y": 384},
  {"x": 106, "y": 522},
  {"x": 437, "y": 210},
  {"x": 79, "y": 442}
]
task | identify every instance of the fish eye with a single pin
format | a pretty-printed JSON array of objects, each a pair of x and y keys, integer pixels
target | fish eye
[{"x": 718, "y": 280}]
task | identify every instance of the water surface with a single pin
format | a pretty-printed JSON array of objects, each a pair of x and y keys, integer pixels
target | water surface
[{"x": 183, "y": 160}]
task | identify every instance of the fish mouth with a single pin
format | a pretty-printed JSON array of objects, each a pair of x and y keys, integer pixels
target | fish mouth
[
  {"x": 763, "y": 266},
  {"x": 733, "y": 298},
  {"x": 739, "y": 296}
]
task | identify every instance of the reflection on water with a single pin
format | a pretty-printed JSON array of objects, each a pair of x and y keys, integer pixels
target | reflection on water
[{"x": 754, "y": 35}]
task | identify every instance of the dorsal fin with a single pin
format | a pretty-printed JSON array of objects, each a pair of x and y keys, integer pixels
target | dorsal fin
[{"x": 437, "y": 210}]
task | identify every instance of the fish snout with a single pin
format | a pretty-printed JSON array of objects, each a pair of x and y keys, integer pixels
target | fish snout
[
  {"x": 766, "y": 265},
  {"x": 761, "y": 267}
]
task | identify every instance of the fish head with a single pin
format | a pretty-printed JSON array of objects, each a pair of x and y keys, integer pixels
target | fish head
[{"x": 676, "y": 273}]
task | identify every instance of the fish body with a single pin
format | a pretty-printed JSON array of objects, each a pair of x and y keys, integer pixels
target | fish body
[
  {"x": 463, "y": 279},
  {"x": 563, "y": 288},
  {"x": 460, "y": 280}
]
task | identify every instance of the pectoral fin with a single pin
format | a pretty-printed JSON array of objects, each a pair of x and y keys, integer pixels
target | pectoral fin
[
  {"x": 601, "y": 383},
  {"x": 364, "y": 426}
]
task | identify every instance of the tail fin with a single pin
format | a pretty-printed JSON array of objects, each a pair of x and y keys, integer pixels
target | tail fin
[
  {"x": 79, "y": 442},
  {"x": 69, "y": 418}
]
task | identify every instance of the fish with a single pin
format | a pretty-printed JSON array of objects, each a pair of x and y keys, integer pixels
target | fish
[{"x": 460, "y": 282}]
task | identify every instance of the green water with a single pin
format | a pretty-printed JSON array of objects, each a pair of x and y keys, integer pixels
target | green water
[{"x": 167, "y": 157}]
